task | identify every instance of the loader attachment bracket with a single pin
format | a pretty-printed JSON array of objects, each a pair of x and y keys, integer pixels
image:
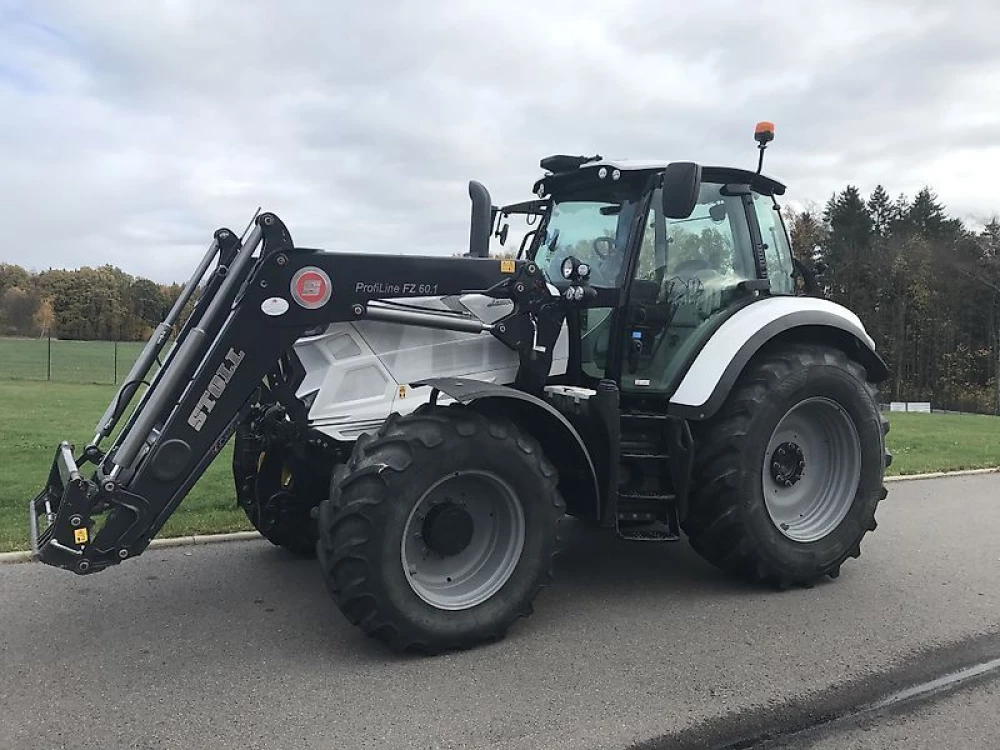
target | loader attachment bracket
[{"x": 65, "y": 504}]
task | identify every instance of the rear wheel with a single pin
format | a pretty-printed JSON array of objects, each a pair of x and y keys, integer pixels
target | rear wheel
[
  {"x": 789, "y": 473},
  {"x": 441, "y": 530}
]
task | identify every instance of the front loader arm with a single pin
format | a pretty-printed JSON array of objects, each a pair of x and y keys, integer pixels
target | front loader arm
[{"x": 264, "y": 302}]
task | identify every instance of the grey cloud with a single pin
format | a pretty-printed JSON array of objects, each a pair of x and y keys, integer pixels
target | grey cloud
[{"x": 139, "y": 130}]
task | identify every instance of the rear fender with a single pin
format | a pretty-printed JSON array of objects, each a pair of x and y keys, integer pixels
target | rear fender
[
  {"x": 561, "y": 442},
  {"x": 713, "y": 371}
]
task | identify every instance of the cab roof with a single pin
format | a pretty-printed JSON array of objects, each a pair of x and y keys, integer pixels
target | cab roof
[{"x": 566, "y": 172}]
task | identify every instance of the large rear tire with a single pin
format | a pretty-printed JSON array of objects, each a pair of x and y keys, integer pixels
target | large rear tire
[
  {"x": 789, "y": 473},
  {"x": 441, "y": 530}
]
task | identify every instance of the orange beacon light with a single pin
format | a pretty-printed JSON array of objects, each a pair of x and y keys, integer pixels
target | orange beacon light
[{"x": 763, "y": 133}]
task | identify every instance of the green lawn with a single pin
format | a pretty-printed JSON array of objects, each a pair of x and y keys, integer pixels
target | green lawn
[
  {"x": 35, "y": 416},
  {"x": 943, "y": 442}
]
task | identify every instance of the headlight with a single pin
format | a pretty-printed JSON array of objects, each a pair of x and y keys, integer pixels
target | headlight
[{"x": 567, "y": 268}]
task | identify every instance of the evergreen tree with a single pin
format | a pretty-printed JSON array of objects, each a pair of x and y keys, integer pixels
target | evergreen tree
[
  {"x": 882, "y": 211},
  {"x": 846, "y": 251}
]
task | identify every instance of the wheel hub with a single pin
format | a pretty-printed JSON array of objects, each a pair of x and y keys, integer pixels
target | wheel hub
[
  {"x": 448, "y": 528},
  {"x": 787, "y": 464}
]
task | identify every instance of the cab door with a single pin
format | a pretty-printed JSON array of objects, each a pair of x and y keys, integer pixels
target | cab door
[{"x": 687, "y": 274}]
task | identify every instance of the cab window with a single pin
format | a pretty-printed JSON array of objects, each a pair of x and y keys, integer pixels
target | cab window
[
  {"x": 777, "y": 252},
  {"x": 592, "y": 231}
]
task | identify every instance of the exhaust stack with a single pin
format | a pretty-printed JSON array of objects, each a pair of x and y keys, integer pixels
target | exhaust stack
[{"x": 482, "y": 220}]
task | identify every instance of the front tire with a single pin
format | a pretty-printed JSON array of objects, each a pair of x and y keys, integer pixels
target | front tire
[
  {"x": 277, "y": 493},
  {"x": 789, "y": 473},
  {"x": 441, "y": 530}
]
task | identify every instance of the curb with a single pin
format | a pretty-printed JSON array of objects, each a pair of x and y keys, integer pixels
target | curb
[
  {"x": 184, "y": 541},
  {"x": 243, "y": 536},
  {"x": 942, "y": 474},
  {"x": 175, "y": 541}
]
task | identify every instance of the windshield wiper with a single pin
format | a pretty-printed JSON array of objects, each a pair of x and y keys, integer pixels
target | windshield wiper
[{"x": 551, "y": 244}]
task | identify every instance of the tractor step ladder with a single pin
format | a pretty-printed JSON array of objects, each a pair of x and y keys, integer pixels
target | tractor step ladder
[
  {"x": 639, "y": 511},
  {"x": 640, "y": 515}
]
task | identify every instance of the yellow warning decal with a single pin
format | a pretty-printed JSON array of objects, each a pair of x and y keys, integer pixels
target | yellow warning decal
[
  {"x": 80, "y": 536},
  {"x": 507, "y": 266},
  {"x": 402, "y": 391}
]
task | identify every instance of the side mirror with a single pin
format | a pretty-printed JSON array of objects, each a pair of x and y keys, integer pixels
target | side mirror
[{"x": 681, "y": 185}]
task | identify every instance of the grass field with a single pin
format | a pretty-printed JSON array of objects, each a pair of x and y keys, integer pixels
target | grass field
[{"x": 34, "y": 417}]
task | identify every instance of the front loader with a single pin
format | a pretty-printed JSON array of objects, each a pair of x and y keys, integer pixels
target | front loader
[{"x": 423, "y": 425}]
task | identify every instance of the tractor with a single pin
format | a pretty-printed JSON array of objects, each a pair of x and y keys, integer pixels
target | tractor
[{"x": 646, "y": 363}]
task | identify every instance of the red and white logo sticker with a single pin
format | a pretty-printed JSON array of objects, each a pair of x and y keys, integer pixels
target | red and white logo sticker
[{"x": 311, "y": 287}]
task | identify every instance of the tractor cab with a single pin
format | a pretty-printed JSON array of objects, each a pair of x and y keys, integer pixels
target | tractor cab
[{"x": 669, "y": 252}]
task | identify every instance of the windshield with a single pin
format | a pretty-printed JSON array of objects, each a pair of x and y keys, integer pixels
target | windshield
[{"x": 595, "y": 232}]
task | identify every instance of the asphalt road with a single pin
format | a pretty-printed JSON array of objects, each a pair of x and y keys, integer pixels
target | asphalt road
[
  {"x": 963, "y": 720},
  {"x": 238, "y": 646}
]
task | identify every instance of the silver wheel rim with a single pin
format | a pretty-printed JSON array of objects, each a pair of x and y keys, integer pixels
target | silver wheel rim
[
  {"x": 476, "y": 508},
  {"x": 812, "y": 469}
]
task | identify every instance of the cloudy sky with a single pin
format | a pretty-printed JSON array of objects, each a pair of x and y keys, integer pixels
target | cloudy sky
[{"x": 131, "y": 130}]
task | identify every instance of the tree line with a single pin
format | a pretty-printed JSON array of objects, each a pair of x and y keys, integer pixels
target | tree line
[
  {"x": 926, "y": 287},
  {"x": 88, "y": 304}
]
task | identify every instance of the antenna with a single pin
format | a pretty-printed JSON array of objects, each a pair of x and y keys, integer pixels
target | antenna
[{"x": 763, "y": 133}]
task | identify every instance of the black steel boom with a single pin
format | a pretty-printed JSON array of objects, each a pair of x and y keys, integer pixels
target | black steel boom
[{"x": 253, "y": 308}]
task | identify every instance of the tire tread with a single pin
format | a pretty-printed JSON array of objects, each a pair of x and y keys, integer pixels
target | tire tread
[
  {"x": 715, "y": 526},
  {"x": 360, "y": 491}
]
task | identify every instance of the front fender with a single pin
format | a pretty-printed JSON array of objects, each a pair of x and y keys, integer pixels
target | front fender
[
  {"x": 713, "y": 371},
  {"x": 559, "y": 439}
]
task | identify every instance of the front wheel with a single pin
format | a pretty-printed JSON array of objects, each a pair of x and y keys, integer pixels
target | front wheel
[
  {"x": 789, "y": 473},
  {"x": 278, "y": 491},
  {"x": 441, "y": 530}
]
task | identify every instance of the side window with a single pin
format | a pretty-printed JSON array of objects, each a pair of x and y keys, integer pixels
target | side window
[
  {"x": 776, "y": 250},
  {"x": 712, "y": 245}
]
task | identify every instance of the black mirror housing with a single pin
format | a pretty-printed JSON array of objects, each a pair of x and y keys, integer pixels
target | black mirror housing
[{"x": 681, "y": 185}]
